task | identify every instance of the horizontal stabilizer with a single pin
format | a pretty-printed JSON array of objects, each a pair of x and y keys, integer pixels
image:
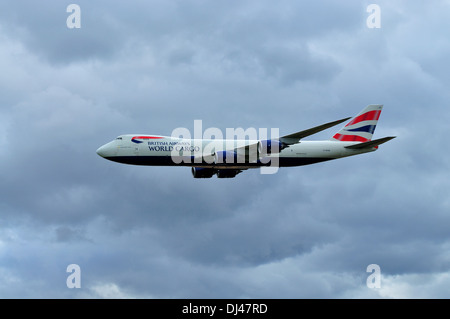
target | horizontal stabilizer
[
  {"x": 371, "y": 143},
  {"x": 296, "y": 137}
]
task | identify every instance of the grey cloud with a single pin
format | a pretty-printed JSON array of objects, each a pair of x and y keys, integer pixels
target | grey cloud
[{"x": 156, "y": 232}]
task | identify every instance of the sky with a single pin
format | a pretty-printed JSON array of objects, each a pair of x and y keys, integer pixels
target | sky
[{"x": 149, "y": 67}]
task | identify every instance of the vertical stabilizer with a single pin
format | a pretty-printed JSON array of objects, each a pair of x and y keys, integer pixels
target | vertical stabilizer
[{"x": 361, "y": 127}]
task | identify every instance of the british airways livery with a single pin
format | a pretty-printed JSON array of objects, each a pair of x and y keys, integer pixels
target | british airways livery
[{"x": 226, "y": 158}]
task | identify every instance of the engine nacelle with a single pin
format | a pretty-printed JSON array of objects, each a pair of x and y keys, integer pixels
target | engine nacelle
[
  {"x": 200, "y": 172},
  {"x": 227, "y": 173},
  {"x": 225, "y": 157},
  {"x": 270, "y": 147}
]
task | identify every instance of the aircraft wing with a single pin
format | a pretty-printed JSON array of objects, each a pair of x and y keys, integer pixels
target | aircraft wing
[
  {"x": 373, "y": 143},
  {"x": 296, "y": 137},
  {"x": 250, "y": 151}
]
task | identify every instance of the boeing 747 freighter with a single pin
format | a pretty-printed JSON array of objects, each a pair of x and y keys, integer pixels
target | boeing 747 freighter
[{"x": 226, "y": 158}]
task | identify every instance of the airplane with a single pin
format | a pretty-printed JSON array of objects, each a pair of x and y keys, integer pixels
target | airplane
[{"x": 226, "y": 158}]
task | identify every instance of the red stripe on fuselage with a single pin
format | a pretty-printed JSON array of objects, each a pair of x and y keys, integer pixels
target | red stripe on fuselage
[
  {"x": 146, "y": 137},
  {"x": 368, "y": 116}
]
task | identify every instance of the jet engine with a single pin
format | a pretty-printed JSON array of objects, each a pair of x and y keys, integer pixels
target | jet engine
[
  {"x": 227, "y": 173},
  {"x": 270, "y": 146},
  {"x": 199, "y": 172}
]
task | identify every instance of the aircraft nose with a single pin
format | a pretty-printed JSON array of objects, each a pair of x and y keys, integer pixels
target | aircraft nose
[{"x": 102, "y": 150}]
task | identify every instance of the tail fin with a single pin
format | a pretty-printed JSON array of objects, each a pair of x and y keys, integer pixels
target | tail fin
[{"x": 361, "y": 127}]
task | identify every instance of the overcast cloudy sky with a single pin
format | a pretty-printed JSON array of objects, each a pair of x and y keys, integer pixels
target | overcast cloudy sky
[{"x": 149, "y": 67}]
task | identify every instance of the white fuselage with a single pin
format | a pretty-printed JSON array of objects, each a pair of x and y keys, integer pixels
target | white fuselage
[{"x": 167, "y": 151}]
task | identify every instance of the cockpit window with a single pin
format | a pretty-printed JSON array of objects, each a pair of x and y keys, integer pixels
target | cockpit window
[{"x": 119, "y": 138}]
